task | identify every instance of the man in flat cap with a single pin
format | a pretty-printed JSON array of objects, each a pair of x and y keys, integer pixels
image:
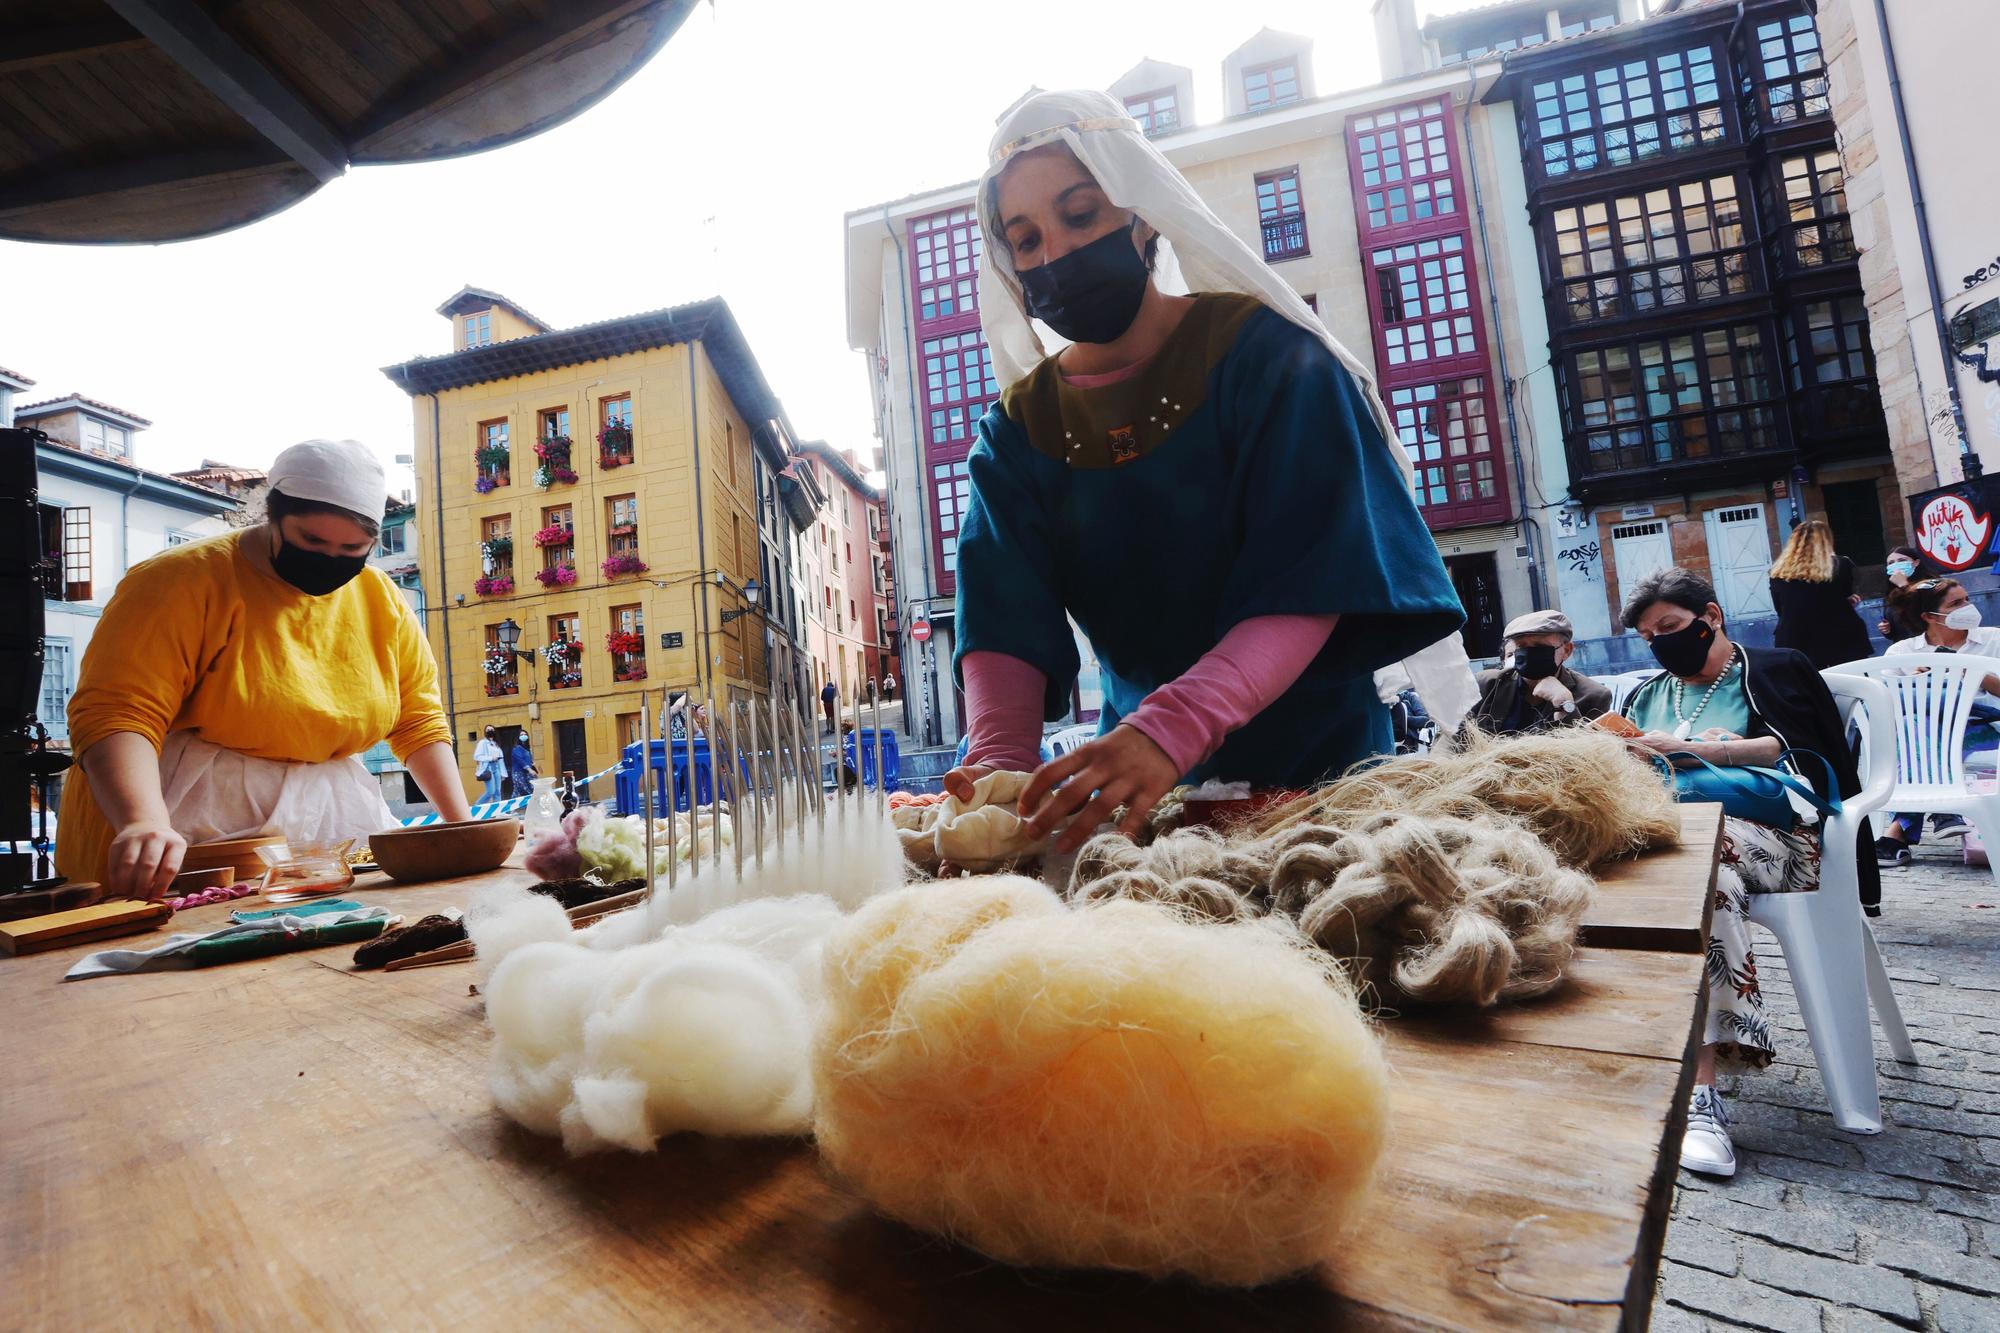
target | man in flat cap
[{"x": 1532, "y": 690}]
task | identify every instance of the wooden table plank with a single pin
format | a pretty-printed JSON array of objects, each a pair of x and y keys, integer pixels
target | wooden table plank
[
  {"x": 284, "y": 1138},
  {"x": 1645, "y": 902}
]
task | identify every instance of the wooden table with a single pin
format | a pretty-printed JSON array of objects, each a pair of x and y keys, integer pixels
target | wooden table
[{"x": 288, "y": 1142}]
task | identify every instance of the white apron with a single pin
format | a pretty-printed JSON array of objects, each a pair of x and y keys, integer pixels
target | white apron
[{"x": 216, "y": 793}]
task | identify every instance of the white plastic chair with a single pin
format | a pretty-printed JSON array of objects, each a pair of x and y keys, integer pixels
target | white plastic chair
[
  {"x": 1622, "y": 686},
  {"x": 1828, "y": 945},
  {"x": 1062, "y": 742},
  {"x": 1933, "y": 695}
]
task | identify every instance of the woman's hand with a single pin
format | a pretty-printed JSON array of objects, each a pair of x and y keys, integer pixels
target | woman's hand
[
  {"x": 1123, "y": 768},
  {"x": 959, "y": 781},
  {"x": 142, "y": 860}
]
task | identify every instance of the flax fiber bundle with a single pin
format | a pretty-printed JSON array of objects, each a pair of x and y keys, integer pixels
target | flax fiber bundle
[
  {"x": 1428, "y": 910},
  {"x": 1111, "y": 1086},
  {"x": 1581, "y": 791}
]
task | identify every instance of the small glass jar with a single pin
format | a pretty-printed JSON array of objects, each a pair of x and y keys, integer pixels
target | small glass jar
[
  {"x": 544, "y": 814},
  {"x": 301, "y": 870}
]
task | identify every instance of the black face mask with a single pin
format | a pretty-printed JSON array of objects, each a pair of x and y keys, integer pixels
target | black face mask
[
  {"x": 1093, "y": 293},
  {"x": 314, "y": 572},
  {"x": 1536, "y": 661},
  {"x": 1685, "y": 651}
]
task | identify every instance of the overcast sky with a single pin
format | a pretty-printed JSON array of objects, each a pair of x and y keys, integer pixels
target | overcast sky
[{"x": 722, "y": 168}]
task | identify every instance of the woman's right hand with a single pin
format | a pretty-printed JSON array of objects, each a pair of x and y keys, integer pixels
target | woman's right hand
[{"x": 142, "y": 860}]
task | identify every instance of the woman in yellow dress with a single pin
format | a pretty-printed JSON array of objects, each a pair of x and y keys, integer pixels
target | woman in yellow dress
[{"x": 232, "y": 682}]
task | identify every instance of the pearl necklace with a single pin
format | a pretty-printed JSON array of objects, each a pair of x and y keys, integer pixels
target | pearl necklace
[{"x": 1687, "y": 721}]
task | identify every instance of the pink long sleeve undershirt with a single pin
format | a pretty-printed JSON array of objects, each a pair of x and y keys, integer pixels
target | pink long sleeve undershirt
[{"x": 1189, "y": 717}]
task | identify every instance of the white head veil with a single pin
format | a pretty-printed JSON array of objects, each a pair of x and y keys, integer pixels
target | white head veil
[{"x": 1198, "y": 252}]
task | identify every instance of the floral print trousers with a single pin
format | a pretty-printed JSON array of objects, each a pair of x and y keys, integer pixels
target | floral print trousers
[{"x": 1756, "y": 858}]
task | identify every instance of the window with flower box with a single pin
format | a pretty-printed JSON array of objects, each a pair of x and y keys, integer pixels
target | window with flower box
[
  {"x": 496, "y": 556},
  {"x": 1403, "y": 155},
  {"x": 1423, "y": 297},
  {"x": 1814, "y": 206},
  {"x": 627, "y": 643},
  {"x": 492, "y": 455},
  {"x": 1627, "y": 112},
  {"x": 563, "y": 653},
  {"x": 1647, "y": 251},
  {"x": 502, "y": 674},
  {"x": 621, "y": 537},
  {"x": 1447, "y": 427},
  {"x": 1704, "y": 395},
  {"x": 614, "y": 431},
  {"x": 1790, "y": 71},
  {"x": 557, "y": 540},
  {"x": 1281, "y": 215},
  {"x": 554, "y": 463}
]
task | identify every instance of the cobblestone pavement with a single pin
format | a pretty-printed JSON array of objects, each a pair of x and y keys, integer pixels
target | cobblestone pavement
[{"x": 1826, "y": 1232}]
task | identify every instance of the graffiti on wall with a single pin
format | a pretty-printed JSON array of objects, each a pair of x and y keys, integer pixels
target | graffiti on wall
[
  {"x": 1952, "y": 529},
  {"x": 1581, "y": 558}
]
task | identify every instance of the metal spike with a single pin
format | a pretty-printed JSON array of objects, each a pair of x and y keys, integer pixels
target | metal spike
[
  {"x": 777, "y": 767},
  {"x": 646, "y": 783},
  {"x": 875, "y": 729},
  {"x": 739, "y": 821},
  {"x": 673, "y": 794},
  {"x": 757, "y": 772},
  {"x": 694, "y": 782},
  {"x": 715, "y": 773}
]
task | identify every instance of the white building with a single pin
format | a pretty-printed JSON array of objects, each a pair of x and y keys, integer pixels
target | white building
[{"x": 100, "y": 514}]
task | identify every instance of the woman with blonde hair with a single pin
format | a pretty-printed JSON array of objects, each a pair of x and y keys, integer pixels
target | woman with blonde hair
[{"x": 1812, "y": 589}]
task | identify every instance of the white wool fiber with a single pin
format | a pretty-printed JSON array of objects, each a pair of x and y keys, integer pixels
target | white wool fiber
[{"x": 693, "y": 1012}]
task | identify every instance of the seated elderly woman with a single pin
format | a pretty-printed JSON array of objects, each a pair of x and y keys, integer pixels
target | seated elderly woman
[
  {"x": 1532, "y": 689},
  {"x": 1733, "y": 705}
]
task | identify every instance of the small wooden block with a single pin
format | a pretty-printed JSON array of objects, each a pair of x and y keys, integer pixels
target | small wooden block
[{"x": 120, "y": 916}]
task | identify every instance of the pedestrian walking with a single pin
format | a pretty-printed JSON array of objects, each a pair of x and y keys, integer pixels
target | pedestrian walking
[{"x": 1812, "y": 589}]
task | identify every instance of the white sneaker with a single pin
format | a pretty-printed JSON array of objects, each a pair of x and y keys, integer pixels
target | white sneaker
[{"x": 1706, "y": 1147}]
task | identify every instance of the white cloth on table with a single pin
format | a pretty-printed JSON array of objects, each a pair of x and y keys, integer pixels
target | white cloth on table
[{"x": 212, "y": 792}]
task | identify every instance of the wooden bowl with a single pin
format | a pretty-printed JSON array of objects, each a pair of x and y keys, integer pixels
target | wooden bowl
[{"x": 444, "y": 851}]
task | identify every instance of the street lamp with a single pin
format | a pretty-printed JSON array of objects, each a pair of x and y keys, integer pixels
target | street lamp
[
  {"x": 510, "y": 638},
  {"x": 751, "y": 592}
]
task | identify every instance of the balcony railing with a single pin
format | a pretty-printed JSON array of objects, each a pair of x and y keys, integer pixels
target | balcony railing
[{"x": 1285, "y": 236}]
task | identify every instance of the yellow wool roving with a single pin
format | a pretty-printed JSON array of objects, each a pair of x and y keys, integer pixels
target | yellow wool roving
[{"x": 1109, "y": 1086}]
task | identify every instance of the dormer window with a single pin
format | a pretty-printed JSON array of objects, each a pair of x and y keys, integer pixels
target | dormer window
[
  {"x": 479, "y": 329},
  {"x": 101, "y": 437},
  {"x": 1157, "y": 112},
  {"x": 1266, "y": 86}
]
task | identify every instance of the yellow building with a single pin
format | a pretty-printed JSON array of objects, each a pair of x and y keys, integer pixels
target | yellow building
[{"x": 634, "y": 544}]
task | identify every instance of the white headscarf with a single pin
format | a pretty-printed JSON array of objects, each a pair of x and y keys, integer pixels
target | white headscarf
[{"x": 1198, "y": 252}]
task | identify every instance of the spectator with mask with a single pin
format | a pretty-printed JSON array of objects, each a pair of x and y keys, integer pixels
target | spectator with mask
[
  {"x": 1905, "y": 569},
  {"x": 1532, "y": 690}
]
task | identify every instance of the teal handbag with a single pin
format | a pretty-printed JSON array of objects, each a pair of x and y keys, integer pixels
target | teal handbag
[{"x": 1762, "y": 795}]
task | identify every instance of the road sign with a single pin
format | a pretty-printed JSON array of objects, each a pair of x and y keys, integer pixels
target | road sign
[{"x": 920, "y": 630}]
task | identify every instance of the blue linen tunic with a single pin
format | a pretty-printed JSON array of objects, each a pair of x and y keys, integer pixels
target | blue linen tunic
[{"x": 1240, "y": 474}]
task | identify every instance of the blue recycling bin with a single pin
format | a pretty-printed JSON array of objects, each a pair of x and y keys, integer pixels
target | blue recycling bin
[
  {"x": 692, "y": 768},
  {"x": 892, "y": 762}
]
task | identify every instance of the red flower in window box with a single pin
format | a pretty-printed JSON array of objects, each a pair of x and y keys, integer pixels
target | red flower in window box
[
  {"x": 624, "y": 563},
  {"x": 493, "y": 585},
  {"x": 557, "y": 576},
  {"x": 625, "y": 643},
  {"x": 555, "y": 534},
  {"x": 614, "y": 445},
  {"x": 623, "y": 529},
  {"x": 497, "y": 688},
  {"x": 631, "y": 673}
]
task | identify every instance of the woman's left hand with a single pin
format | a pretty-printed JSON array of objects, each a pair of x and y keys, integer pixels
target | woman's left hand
[{"x": 1123, "y": 768}]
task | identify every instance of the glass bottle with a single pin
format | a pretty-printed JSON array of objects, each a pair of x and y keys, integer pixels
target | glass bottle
[{"x": 545, "y": 810}]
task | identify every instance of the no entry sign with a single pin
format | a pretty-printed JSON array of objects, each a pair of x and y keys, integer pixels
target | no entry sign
[{"x": 920, "y": 630}]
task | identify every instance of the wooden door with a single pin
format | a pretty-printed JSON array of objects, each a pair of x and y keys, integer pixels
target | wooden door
[
  {"x": 571, "y": 754},
  {"x": 1739, "y": 561}
]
